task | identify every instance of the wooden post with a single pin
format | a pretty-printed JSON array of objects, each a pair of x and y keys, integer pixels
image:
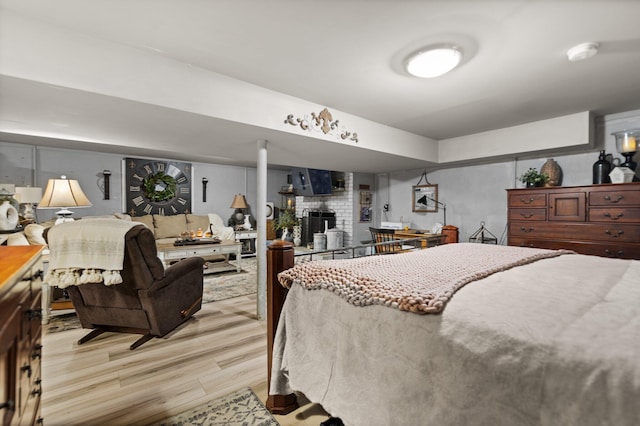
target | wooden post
[{"x": 279, "y": 258}]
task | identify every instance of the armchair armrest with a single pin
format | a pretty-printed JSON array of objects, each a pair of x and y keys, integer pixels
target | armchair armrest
[{"x": 179, "y": 271}]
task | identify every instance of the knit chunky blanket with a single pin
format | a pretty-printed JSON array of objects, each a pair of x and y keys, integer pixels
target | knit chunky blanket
[
  {"x": 421, "y": 281},
  {"x": 87, "y": 251}
]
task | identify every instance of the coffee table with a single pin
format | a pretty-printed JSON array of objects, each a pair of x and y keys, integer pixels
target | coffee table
[{"x": 168, "y": 253}]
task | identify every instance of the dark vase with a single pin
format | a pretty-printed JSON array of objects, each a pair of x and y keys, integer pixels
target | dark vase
[{"x": 601, "y": 169}]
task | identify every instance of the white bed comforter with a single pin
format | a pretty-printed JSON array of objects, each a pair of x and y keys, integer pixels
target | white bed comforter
[{"x": 555, "y": 342}]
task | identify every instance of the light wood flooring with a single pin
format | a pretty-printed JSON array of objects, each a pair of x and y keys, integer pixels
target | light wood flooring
[{"x": 102, "y": 382}]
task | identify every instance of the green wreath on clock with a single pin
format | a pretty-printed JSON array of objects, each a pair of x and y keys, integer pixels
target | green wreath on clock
[{"x": 159, "y": 180}]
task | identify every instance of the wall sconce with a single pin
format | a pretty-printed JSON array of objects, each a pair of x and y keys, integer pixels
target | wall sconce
[
  {"x": 204, "y": 189},
  {"x": 106, "y": 174}
]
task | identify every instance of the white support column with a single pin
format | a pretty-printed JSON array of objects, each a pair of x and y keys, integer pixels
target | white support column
[{"x": 261, "y": 225}]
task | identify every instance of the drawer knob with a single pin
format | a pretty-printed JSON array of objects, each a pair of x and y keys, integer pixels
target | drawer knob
[
  {"x": 525, "y": 201},
  {"x": 614, "y": 254},
  {"x": 616, "y": 235},
  {"x": 617, "y": 200},
  {"x": 607, "y": 214},
  {"x": 523, "y": 229}
]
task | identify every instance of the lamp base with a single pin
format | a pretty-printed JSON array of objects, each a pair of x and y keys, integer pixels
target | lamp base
[{"x": 64, "y": 215}]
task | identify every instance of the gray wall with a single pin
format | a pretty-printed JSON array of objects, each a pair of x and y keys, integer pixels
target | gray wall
[
  {"x": 23, "y": 165},
  {"x": 474, "y": 194}
]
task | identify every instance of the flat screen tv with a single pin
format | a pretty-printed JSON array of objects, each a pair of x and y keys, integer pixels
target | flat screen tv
[{"x": 311, "y": 181}]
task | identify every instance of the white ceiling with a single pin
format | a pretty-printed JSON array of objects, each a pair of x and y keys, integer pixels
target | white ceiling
[{"x": 344, "y": 54}]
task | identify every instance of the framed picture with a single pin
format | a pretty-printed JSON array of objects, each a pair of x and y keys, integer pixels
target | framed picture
[{"x": 425, "y": 198}]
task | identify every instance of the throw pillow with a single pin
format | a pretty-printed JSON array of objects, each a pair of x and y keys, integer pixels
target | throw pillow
[
  {"x": 195, "y": 222},
  {"x": 33, "y": 232},
  {"x": 17, "y": 239},
  {"x": 147, "y": 220},
  {"x": 170, "y": 226}
]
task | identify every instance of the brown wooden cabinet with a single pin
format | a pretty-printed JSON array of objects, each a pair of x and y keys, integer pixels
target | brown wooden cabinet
[
  {"x": 602, "y": 220},
  {"x": 20, "y": 335}
]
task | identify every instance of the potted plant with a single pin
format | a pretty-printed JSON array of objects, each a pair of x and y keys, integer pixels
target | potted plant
[
  {"x": 286, "y": 221},
  {"x": 532, "y": 178}
]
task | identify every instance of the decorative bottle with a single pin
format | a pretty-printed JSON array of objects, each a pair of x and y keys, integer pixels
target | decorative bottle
[{"x": 601, "y": 169}]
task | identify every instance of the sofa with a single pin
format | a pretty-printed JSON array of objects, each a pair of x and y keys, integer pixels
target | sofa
[{"x": 165, "y": 228}]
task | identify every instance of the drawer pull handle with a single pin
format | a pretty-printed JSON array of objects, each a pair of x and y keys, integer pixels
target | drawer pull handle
[
  {"x": 523, "y": 229},
  {"x": 607, "y": 214},
  {"x": 8, "y": 405},
  {"x": 616, "y": 254},
  {"x": 616, "y": 235},
  {"x": 26, "y": 368},
  {"x": 527, "y": 215},
  {"x": 617, "y": 200},
  {"x": 529, "y": 201}
]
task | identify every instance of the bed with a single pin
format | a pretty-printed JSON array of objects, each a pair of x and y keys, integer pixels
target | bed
[{"x": 550, "y": 341}]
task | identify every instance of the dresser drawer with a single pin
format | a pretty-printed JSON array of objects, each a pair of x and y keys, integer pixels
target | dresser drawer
[
  {"x": 614, "y": 197},
  {"x": 622, "y": 251},
  {"x": 203, "y": 251},
  {"x": 577, "y": 232},
  {"x": 527, "y": 214},
  {"x": 615, "y": 214},
  {"x": 527, "y": 200}
]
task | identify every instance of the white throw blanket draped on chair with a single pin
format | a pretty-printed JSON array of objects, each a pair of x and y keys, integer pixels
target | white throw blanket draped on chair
[{"x": 87, "y": 251}]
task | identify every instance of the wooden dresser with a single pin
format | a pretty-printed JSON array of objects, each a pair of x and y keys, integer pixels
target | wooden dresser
[
  {"x": 20, "y": 335},
  {"x": 602, "y": 220}
]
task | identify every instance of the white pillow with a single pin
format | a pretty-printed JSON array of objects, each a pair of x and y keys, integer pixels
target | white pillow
[
  {"x": 34, "y": 232},
  {"x": 17, "y": 239}
]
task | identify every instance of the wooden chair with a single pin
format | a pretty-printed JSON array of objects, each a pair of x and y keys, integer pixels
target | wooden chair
[{"x": 385, "y": 240}]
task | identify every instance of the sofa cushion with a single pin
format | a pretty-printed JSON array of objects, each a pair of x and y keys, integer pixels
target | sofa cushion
[
  {"x": 195, "y": 222},
  {"x": 33, "y": 232},
  {"x": 146, "y": 219},
  {"x": 170, "y": 226},
  {"x": 17, "y": 239}
]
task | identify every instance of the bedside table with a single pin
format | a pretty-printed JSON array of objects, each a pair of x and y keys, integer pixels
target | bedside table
[{"x": 248, "y": 240}]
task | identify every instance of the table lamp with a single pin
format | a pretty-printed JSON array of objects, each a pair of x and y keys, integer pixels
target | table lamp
[
  {"x": 28, "y": 196},
  {"x": 239, "y": 203},
  {"x": 64, "y": 193}
]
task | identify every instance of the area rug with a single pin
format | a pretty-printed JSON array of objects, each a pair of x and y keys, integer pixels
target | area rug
[
  {"x": 219, "y": 286},
  {"x": 239, "y": 408}
]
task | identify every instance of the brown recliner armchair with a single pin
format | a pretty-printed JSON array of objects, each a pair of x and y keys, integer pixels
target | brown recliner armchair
[{"x": 151, "y": 300}]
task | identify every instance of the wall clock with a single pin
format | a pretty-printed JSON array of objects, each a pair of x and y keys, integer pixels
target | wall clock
[{"x": 157, "y": 187}]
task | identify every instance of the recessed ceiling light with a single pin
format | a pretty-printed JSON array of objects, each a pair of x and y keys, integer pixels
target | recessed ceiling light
[
  {"x": 582, "y": 51},
  {"x": 434, "y": 62}
]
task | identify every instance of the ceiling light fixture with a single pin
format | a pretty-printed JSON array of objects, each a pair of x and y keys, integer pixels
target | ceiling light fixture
[
  {"x": 582, "y": 51},
  {"x": 434, "y": 62}
]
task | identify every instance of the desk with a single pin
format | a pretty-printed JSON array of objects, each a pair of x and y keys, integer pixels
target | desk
[{"x": 426, "y": 239}]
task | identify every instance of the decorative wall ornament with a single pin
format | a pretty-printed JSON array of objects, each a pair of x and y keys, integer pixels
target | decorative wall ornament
[{"x": 324, "y": 122}]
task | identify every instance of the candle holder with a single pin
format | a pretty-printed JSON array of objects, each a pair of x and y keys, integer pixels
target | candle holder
[{"x": 627, "y": 145}]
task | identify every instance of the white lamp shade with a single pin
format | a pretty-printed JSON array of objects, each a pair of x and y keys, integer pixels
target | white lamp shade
[
  {"x": 63, "y": 193},
  {"x": 28, "y": 194}
]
